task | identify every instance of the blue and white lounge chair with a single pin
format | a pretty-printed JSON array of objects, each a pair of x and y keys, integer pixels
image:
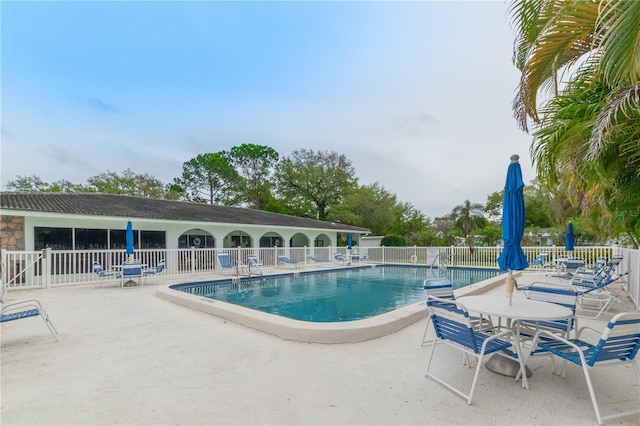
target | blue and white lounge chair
[
  {"x": 97, "y": 268},
  {"x": 254, "y": 261},
  {"x": 339, "y": 257},
  {"x": 159, "y": 269},
  {"x": 618, "y": 344},
  {"x": 541, "y": 260},
  {"x": 595, "y": 290},
  {"x": 224, "y": 260},
  {"x": 316, "y": 260},
  {"x": 27, "y": 309},
  {"x": 284, "y": 260},
  {"x": 452, "y": 326}
]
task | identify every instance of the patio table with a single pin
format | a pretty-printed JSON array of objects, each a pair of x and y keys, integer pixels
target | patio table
[{"x": 519, "y": 309}]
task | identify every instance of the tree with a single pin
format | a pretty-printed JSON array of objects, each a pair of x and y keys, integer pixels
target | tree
[
  {"x": 34, "y": 184},
  {"x": 128, "y": 183},
  {"x": 586, "y": 134},
  {"x": 321, "y": 179},
  {"x": 468, "y": 216},
  {"x": 209, "y": 178},
  {"x": 371, "y": 207},
  {"x": 254, "y": 164}
]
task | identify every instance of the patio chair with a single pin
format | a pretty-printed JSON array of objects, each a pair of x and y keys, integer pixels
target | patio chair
[
  {"x": 452, "y": 326},
  {"x": 284, "y": 260},
  {"x": 254, "y": 261},
  {"x": 443, "y": 289},
  {"x": 618, "y": 344},
  {"x": 339, "y": 257},
  {"x": 566, "y": 296},
  {"x": 224, "y": 260},
  {"x": 541, "y": 260},
  {"x": 131, "y": 271},
  {"x": 27, "y": 309},
  {"x": 97, "y": 268},
  {"x": 159, "y": 269}
]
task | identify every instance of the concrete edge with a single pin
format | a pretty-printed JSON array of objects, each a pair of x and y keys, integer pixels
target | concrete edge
[{"x": 301, "y": 331}]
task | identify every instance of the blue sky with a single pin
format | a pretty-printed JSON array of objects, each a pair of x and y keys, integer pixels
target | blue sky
[{"x": 417, "y": 95}]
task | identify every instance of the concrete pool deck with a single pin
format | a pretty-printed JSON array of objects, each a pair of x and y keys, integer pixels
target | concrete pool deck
[{"x": 125, "y": 356}]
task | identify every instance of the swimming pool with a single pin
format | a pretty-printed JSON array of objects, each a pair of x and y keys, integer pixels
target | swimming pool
[
  {"x": 308, "y": 331},
  {"x": 335, "y": 295}
]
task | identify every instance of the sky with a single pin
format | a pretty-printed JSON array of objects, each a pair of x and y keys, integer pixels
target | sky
[{"x": 417, "y": 95}]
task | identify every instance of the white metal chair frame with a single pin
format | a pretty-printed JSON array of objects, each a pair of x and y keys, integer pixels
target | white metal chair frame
[
  {"x": 443, "y": 289},
  {"x": 451, "y": 323},
  {"x": 27, "y": 309},
  {"x": 618, "y": 344},
  {"x": 97, "y": 268}
]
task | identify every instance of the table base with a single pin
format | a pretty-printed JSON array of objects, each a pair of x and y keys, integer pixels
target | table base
[{"x": 504, "y": 366}]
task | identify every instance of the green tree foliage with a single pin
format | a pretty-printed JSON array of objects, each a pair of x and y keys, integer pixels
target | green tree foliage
[
  {"x": 468, "y": 216},
  {"x": 254, "y": 164},
  {"x": 34, "y": 184},
  {"x": 586, "y": 135},
  {"x": 319, "y": 179},
  {"x": 393, "y": 241},
  {"x": 209, "y": 178},
  {"x": 128, "y": 183},
  {"x": 369, "y": 206}
]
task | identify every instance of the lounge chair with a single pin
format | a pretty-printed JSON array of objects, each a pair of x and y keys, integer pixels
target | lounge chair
[
  {"x": 224, "y": 261},
  {"x": 97, "y": 268},
  {"x": 159, "y": 269},
  {"x": 339, "y": 257},
  {"x": 595, "y": 290},
  {"x": 284, "y": 260},
  {"x": 618, "y": 344},
  {"x": 254, "y": 261},
  {"x": 541, "y": 260},
  {"x": 131, "y": 271},
  {"x": 316, "y": 260},
  {"x": 26, "y": 309},
  {"x": 451, "y": 323}
]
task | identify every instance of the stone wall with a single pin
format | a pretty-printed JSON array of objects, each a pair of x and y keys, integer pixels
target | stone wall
[{"x": 12, "y": 233}]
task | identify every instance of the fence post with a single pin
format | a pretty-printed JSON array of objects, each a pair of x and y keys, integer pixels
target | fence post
[
  {"x": 46, "y": 268},
  {"x": 192, "y": 254}
]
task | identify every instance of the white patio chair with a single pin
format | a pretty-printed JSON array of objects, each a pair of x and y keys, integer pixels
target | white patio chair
[
  {"x": 443, "y": 289},
  {"x": 618, "y": 344},
  {"x": 452, "y": 326}
]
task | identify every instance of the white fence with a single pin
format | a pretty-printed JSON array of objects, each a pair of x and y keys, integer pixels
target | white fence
[{"x": 52, "y": 268}]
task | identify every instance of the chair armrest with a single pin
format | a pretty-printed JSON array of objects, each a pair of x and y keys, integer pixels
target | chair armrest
[{"x": 29, "y": 303}]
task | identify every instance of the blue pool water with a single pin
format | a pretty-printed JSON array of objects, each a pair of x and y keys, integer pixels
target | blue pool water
[{"x": 334, "y": 295}]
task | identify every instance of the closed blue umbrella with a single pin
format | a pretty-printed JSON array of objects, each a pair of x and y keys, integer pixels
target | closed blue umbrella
[
  {"x": 568, "y": 246},
  {"x": 512, "y": 257},
  {"x": 349, "y": 241},
  {"x": 129, "y": 238}
]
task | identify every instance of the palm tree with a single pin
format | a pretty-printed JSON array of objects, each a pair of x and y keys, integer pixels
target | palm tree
[
  {"x": 587, "y": 134},
  {"x": 468, "y": 216}
]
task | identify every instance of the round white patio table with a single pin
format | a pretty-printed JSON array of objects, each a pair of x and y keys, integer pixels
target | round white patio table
[{"x": 519, "y": 309}]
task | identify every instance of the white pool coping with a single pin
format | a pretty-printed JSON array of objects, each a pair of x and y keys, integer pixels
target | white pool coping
[{"x": 317, "y": 332}]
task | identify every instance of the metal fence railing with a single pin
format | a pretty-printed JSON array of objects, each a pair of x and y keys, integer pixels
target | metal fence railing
[{"x": 51, "y": 268}]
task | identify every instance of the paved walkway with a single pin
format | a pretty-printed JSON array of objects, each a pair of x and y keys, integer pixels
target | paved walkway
[{"x": 128, "y": 357}]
